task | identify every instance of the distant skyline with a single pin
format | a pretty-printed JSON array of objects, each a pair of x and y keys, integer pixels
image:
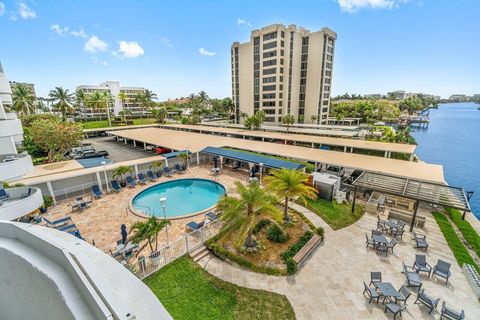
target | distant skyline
[{"x": 177, "y": 48}]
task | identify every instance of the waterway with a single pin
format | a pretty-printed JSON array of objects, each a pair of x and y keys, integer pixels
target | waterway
[{"x": 452, "y": 139}]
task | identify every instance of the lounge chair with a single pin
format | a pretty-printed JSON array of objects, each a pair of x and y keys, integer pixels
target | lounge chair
[
  {"x": 194, "y": 226},
  {"x": 375, "y": 276},
  {"x": 421, "y": 265},
  {"x": 58, "y": 223},
  {"x": 413, "y": 279},
  {"x": 426, "y": 300},
  {"x": 168, "y": 172},
  {"x": 371, "y": 293},
  {"x": 77, "y": 234},
  {"x": 395, "y": 309},
  {"x": 151, "y": 176},
  {"x": 451, "y": 314},
  {"x": 4, "y": 196},
  {"x": 420, "y": 241},
  {"x": 130, "y": 182},
  {"x": 211, "y": 216},
  {"x": 68, "y": 228},
  {"x": 96, "y": 191},
  {"x": 369, "y": 241},
  {"x": 141, "y": 179},
  {"x": 116, "y": 186},
  {"x": 442, "y": 270},
  {"x": 404, "y": 295},
  {"x": 178, "y": 168}
]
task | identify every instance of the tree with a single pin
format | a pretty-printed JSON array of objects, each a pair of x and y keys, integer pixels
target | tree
[
  {"x": 148, "y": 230},
  {"x": 286, "y": 184},
  {"x": 56, "y": 137},
  {"x": 241, "y": 213},
  {"x": 255, "y": 121},
  {"x": 120, "y": 172},
  {"x": 122, "y": 96},
  {"x": 204, "y": 99},
  {"x": 185, "y": 156},
  {"x": 101, "y": 101},
  {"x": 314, "y": 118},
  {"x": 62, "y": 101},
  {"x": 161, "y": 114},
  {"x": 80, "y": 100},
  {"x": 288, "y": 120},
  {"x": 24, "y": 101}
]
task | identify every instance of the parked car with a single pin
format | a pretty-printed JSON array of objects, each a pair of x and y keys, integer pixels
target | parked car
[
  {"x": 160, "y": 150},
  {"x": 79, "y": 150},
  {"x": 90, "y": 154},
  {"x": 335, "y": 170}
]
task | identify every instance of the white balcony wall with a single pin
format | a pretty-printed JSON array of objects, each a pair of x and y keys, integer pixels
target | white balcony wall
[
  {"x": 18, "y": 207},
  {"x": 16, "y": 169}
]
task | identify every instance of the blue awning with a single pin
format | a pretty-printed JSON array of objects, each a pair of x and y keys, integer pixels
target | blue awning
[
  {"x": 93, "y": 162},
  {"x": 174, "y": 154},
  {"x": 252, "y": 158}
]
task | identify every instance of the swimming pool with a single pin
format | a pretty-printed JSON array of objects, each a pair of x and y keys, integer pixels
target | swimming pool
[{"x": 184, "y": 197}]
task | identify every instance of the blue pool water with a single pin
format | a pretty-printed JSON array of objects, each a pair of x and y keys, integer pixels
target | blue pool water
[
  {"x": 184, "y": 196},
  {"x": 453, "y": 140}
]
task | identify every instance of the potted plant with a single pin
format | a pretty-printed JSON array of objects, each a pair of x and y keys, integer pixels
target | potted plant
[
  {"x": 47, "y": 202},
  {"x": 184, "y": 157},
  {"x": 120, "y": 172},
  {"x": 148, "y": 230},
  {"x": 158, "y": 166}
]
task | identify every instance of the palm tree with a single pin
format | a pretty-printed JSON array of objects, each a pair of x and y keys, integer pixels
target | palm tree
[
  {"x": 287, "y": 184},
  {"x": 139, "y": 99},
  {"x": 148, "y": 230},
  {"x": 122, "y": 96},
  {"x": 100, "y": 101},
  {"x": 184, "y": 156},
  {"x": 203, "y": 98},
  {"x": 314, "y": 118},
  {"x": 161, "y": 114},
  {"x": 288, "y": 120},
  {"x": 120, "y": 172},
  {"x": 241, "y": 213},
  {"x": 24, "y": 101},
  {"x": 62, "y": 101},
  {"x": 80, "y": 100}
]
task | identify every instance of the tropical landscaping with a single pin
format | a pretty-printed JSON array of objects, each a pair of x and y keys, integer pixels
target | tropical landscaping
[{"x": 337, "y": 216}]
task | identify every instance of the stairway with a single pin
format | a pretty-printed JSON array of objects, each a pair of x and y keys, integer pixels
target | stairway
[{"x": 199, "y": 253}]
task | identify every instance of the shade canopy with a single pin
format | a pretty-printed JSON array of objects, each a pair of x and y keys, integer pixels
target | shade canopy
[
  {"x": 430, "y": 192},
  {"x": 252, "y": 158},
  {"x": 174, "y": 154}
]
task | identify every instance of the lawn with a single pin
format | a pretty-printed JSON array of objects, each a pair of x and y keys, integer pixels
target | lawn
[
  {"x": 189, "y": 292},
  {"x": 104, "y": 123},
  {"x": 337, "y": 216},
  {"x": 456, "y": 245},
  {"x": 469, "y": 233}
]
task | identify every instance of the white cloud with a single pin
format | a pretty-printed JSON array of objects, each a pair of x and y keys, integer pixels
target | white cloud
[
  {"x": 25, "y": 12},
  {"x": 355, "y": 5},
  {"x": 129, "y": 49},
  {"x": 243, "y": 22},
  {"x": 79, "y": 33},
  {"x": 59, "y": 30},
  {"x": 97, "y": 61},
  {"x": 95, "y": 44},
  {"x": 204, "y": 52},
  {"x": 2, "y": 8},
  {"x": 166, "y": 42}
]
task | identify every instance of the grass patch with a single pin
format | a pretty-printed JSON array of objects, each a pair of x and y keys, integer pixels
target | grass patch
[
  {"x": 469, "y": 233},
  {"x": 338, "y": 216},
  {"x": 189, "y": 292},
  {"x": 456, "y": 245},
  {"x": 104, "y": 123}
]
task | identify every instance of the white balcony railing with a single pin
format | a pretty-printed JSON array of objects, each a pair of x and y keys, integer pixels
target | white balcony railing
[
  {"x": 19, "y": 202},
  {"x": 13, "y": 166},
  {"x": 10, "y": 128}
]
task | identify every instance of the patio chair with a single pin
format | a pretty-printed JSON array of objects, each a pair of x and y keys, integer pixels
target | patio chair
[
  {"x": 404, "y": 295},
  {"x": 369, "y": 241},
  {"x": 395, "y": 309},
  {"x": 57, "y": 223},
  {"x": 4, "y": 196},
  {"x": 168, "y": 172},
  {"x": 420, "y": 241},
  {"x": 426, "y": 300},
  {"x": 116, "y": 186},
  {"x": 382, "y": 247},
  {"x": 141, "y": 179},
  {"x": 401, "y": 224},
  {"x": 442, "y": 270},
  {"x": 96, "y": 191},
  {"x": 413, "y": 279},
  {"x": 398, "y": 233},
  {"x": 392, "y": 244},
  {"x": 77, "y": 234},
  {"x": 130, "y": 182},
  {"x": 151, "y": 176},
  {"x": 178, "y": 168},
  {"x": 382, "y": 227},
  {"x": 375, "y": 276},
  {"x": 376, "y": 233},
  {"x": 420, "y": 264},
  {"x": 371, "y": 293},
  {"x": 451, "y": 314},
  {"x": 192, "y": 225}
]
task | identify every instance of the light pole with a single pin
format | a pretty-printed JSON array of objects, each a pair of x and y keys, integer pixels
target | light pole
[
  {"x": 105, "y": 173},
  {"x": 163, "y": 203}
]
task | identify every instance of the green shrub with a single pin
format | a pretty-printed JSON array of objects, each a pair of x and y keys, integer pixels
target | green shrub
[
  {"x": 291, "y": 266},
  {"x": 277, "y": 234},
  {"x": 259, "y": 226},
  {"x": 469, "y": 233},
  {"x": 47, "y": 201},
  {"x": 321, "y": 232},
  {"x": 288, "y": 255}
]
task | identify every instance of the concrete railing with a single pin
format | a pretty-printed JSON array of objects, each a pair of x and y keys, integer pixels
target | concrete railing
[
  {"x": 14, "y": 166},
  {"x": 21, "y": 201}
]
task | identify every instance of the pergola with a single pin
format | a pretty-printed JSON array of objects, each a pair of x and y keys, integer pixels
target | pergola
[{"x": 434, "y": 193}]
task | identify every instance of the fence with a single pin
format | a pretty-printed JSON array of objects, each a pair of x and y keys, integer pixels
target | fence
[{"x": 168, "y": 253}]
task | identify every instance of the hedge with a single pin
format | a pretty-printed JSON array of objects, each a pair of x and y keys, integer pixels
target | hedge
[{"x": 469, "y": 233}]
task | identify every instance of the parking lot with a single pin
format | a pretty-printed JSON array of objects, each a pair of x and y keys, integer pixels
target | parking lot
[{"x": 118, "y": 151}]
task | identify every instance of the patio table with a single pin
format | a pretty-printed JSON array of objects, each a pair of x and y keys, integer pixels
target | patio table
[
  {"x": 380, "y": 239},
  {"x": 125, "y": 248},
  {"x": 387, "y": 290}
]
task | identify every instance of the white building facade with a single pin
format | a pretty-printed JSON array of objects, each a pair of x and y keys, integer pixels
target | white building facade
[{"x": 284, "y": 70}]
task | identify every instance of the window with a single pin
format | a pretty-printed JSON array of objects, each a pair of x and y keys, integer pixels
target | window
[
  {"x": 279, "y": 111},
  {"x": 303, "y": 73},
  {"x": 281, "y": 87},
  {"x": 302, "y": 90},
  {"x": 256, "y": 41},
  {"x": 236, "y": 50},
  {"x": 270, "y": 63},
  {"x": 328, "y": 73},
  {"x": 325, "y": 102},
  {"x": 256, "y": 97},
  {"x": 256, "y": 82},
  {"x": 281, "y": 61},
  {"x": 330, "y": 49},
  {"x": 270, "y": 36},
  {"x": 302, "y": 97},
  {"x": 280, "y": 95},
  {"x": 269, "y": 103},
  {"x": 325, "y": 95},
  {"x": 329, "y": 65},
  {"x": 326, "y": 88},
  {"x": 281, "y": 78},
  {"x": 281, "y": 69},
  {"x": 269, "y": 71},
  {"x": 256, "y": 66},
  {"x": 303, "y": 65},
  {"x": 280, "y": 103},
  {"x": 256, "y": 49},
  {"x": 325, "y": 109},
  {"x": 256, "y": 74},
  {"x": 269, "y": 45},
  {"x": 304, "y": 49},
  {"x": 268, "y": 96},
  {"x": 283, "y": 34},
  {"x": 329, "y": 57},
  {"x": 304, "y": 41},
  {"x": 270, "y": 54},
  {"x": 269, "y": 111},
  {"x": 282, "y": 52},
  {"x": 327, "y": 80},
  {"x": 256, "y": 57},
  {"x": 267, "y": 119},
  {"x": 303, "y": 81},
  {"x": 282, "y": 43},
  {"x": 269, "y": 79},
  {"x": 269, "y": 88}
]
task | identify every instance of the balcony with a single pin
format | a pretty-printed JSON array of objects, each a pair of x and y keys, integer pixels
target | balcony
[
  {"x": 19, "y": 202},
  {"x": 13, "y": 166},
  {"x": 11, "y": 126}
]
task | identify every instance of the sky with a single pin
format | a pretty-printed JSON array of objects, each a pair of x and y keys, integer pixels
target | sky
[{"x": 179, "y": 47}]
